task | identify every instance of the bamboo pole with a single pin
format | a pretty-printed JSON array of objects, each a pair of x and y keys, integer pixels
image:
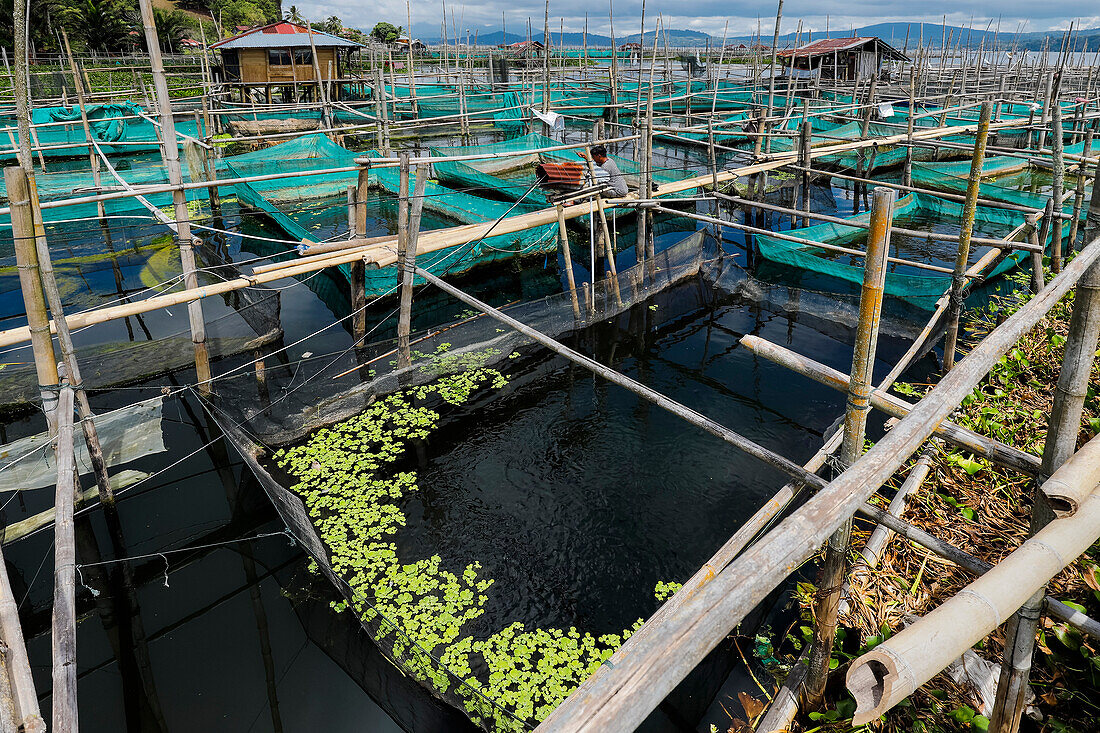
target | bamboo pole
[
  {"x": 892, "y": 670},
  {"x": 1079, "y": 194},
  {"x": 805, "y": 141},
  {"x": 26, "y": 713},
  {"x": 962, "y": 256},
  {"x": 855, "y": 428},
  {"x": 1059, "y": 177},
  {"x": 403, "y": 357},
  {"x": 407, "y": 262},
  {"x": 16, "y": 182},
  {"x": 980, "y": 445},
  {"x": 170, "y": 152},
  {"x": 563, "y": 243},
  {"x": 650, "y": 664},
  {"x": 64, "y": 717}
]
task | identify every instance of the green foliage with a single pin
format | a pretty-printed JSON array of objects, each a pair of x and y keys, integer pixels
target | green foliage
[
  {"x": 101, "y": 24},
  {"x": 664, "y": 590},
  {"x": 345, "y": 476},
  {"x": 386, "y": 32}
]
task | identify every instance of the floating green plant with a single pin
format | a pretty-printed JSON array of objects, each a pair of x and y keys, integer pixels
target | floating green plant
[{"x": 420, "y": 608}]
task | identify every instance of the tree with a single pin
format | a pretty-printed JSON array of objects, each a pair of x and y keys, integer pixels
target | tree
[
  {"x": 293, "y": 15},
  {"x": 243, "y": 12},
  {"x": 38, "y": 24},
  {"x": 101, "y": 24},
  {"x": 385, "y": 32},
  {"x": 172, "y": 27}
]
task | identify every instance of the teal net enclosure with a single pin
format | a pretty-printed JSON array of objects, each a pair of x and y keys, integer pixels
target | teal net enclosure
[
  {"x": 296, "y": 203},
  {"x": 119, "y": 128},
  {"x": 1005, "y": 178},
  {"x": 903, "y": 282}
]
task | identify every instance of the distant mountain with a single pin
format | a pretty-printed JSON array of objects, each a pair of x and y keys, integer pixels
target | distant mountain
[
  {"x": 595, "y": 40},
  {"x": 898, "y": 34}
]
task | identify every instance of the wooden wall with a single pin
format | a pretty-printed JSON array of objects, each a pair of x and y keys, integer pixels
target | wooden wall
[{"x": 255, "y": 68}]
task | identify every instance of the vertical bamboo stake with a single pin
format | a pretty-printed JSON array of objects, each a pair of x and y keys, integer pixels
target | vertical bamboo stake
[
  {"x": 403, "y": 356},
  {"x": 404, "y": 323},
  {"x": 855, "y": 425},
  {"x": 64, "y": 718},
  {"x": 78, "y": 85},
  {"x": 170, "y": 152},
  {"x": 907, "y": 176},
  {"x": 962, "y": 257},
  {"x": 1079, "y": 192},
  {"x": 322, "y": 91},
  {"x": 771, "y": 79},
  {"x": 563, "y": 242},
  {"x": 1059, "y": 175},
  {"x": 26, "y": 256},
  {"x": 22, "y": 93},
  {"x": 412, "y": 73},
  {"x": 1037, "y": 275},
  {"x": 647, "y": 177},
  {"x": 805, "y": 161},
  {"x": 383, "y": 113},
  {"x": 28, "y": 716},
  {"x": 546, "y": 64},
  {"x": 712, "y": 156},
  {"x": 1044, "y": 118}
]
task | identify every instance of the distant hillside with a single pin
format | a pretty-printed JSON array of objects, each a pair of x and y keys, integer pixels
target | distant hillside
[
  {"x": 595, "y": 40},
  {"x": 898, "y": 34}
]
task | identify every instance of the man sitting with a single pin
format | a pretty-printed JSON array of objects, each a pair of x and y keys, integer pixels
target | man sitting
[{"x": 608, "y": 171}]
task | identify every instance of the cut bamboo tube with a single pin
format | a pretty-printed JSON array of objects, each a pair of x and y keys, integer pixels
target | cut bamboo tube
[{"x": 893, "y": 670}]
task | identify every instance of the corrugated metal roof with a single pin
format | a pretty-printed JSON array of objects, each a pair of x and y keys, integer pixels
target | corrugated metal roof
[
  {"x": 829, "y": 45},
  {"x": 283, "y": 35}
]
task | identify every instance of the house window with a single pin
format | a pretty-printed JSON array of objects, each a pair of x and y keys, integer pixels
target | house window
[
  {"x": 278, "y": 57},
  {"x": 303, "y": 56}
]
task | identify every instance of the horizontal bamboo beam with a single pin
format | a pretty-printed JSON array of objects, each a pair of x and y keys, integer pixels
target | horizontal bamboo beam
[
  {"x": 893, "y": 670},
  {"x": 980, "y": 445},
  {"x": 656, "y": 658}
]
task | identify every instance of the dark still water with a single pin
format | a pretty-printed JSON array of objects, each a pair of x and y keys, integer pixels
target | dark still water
[{"x": 574, "y": 495}]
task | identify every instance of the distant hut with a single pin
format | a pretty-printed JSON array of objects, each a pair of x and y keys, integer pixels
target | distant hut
[
  {"x": 635, "y": 50},
  {"x": 404, "y": 42},
  {"x": 842, "y": 58},
  {"x": 277, "y": 60},
  {"x": 526, "y": 53}
]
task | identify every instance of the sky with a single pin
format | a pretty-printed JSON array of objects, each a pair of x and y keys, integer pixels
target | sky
[{"x": 709, "y": 16}]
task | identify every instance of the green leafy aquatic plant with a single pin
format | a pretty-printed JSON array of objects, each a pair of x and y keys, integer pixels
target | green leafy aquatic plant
[{"x": 419, "y": 609}]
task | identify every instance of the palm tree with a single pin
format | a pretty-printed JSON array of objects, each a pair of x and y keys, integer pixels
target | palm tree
[
  {"x": 172, "y": 27},
  {"x": 103, "y": 24},
  {"x": 293, "y": 15}
]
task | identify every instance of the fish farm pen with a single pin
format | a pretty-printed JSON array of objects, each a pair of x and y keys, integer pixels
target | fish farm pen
[{"x": 366, "y": 399}]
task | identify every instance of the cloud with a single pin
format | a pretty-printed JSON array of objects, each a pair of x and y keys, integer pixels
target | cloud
[{"x": 710, "y": 16}]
